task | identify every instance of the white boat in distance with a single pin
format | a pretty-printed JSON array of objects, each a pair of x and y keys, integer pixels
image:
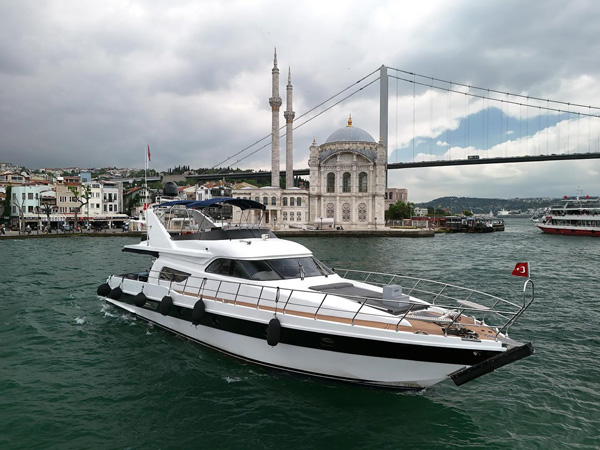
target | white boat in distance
[
  {"x": 578, "y": 217},
  {"x": 244, "y": 292}
]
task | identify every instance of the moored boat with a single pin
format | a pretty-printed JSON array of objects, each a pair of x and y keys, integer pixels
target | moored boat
[
  {"x": 241, "y": 290},
  {"x": 575, "y": 217}
]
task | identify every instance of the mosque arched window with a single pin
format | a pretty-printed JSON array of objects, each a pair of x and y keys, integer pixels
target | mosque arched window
[
  {"x": 362, "y": 212},
  {"x": 362, "y": 182},
  {"x": 346, "y": 212},
  {"x": 273, "y": 201},
  {"x": 331, "y": 182},
  {"x": 346, "y": 184},
  {"x": 299, "y": 201},
  {"x": 284, "y": 200},
  {"x": 329, "y": 211},
  {"x": 291, "y": 201}
]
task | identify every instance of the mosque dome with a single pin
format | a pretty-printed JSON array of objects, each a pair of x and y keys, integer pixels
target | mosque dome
[{"x": 350, "y": 134}]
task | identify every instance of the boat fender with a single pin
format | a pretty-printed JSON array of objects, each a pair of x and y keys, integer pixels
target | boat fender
[
  {"x": 103, "y": 290},
  {"x": 165, "y": 305},
  {"x": 273, "y": 332},
  {"x": 140, "y": 299},
  {"x": 198, "y": 312},
  {"x": 116, "y": 293}
]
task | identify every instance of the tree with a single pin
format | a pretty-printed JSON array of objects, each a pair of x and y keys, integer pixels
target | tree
[
  {"x": 47, "y": 209},
  {"x": 399, "y": 210},
  {"x": 86, "y": 194}
]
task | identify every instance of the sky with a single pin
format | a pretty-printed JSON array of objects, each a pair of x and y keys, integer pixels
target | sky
[{"x": 91, "y": 84}]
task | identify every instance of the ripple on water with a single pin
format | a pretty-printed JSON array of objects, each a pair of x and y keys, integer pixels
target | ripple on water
[{"x": 91, "y": 376}]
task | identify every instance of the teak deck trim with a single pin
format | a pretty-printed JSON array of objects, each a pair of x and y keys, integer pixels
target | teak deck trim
[{"x": 418, "y": 326}]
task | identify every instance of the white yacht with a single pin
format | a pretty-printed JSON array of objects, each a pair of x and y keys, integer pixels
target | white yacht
[{"x": 244, "y": 292}]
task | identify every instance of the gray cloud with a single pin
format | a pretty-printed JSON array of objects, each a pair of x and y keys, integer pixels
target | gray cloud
[{"x": 91, "y": 83}]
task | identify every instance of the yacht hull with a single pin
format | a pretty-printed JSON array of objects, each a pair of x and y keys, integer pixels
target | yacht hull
[
  {"x": 569, "y": 231},
  {"x": 338, "y": 352}
]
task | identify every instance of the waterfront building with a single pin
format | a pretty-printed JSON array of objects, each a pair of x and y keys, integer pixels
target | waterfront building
[
  {"x": 25, "y": 204},
  {"x": 66, "y": 200},
  {"x": 14, "y": 178},
  {"x": 348, "y": 178},
  {"x": 395, "y": 195}
]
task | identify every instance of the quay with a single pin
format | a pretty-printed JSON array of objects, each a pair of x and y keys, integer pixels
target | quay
[
  {"x": 386, "y": 232},
  {"x": 68, "y": 234}
]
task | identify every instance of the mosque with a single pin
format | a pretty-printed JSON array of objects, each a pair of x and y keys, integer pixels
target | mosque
[{"x": 347, "y": 176}]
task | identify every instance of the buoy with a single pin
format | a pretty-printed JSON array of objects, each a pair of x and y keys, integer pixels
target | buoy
[
  {"x": 103, "y": 289},
  {"x": 273, "y": 332},
  {"x": 198, "y": 312},
  {"x": 116, "y": 293},
  {"x": 140, "y": 299},
  {"x": 165, "y": 305}
]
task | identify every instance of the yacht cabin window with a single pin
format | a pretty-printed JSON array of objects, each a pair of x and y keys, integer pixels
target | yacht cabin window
[
  {"x": 177, "y": 276},
  {"x": 270, "y": 269}
]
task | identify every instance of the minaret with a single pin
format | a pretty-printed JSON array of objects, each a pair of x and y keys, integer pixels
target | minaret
[
  {"x": 275, "y": 102},
  {"x": 289, "y": 137}
]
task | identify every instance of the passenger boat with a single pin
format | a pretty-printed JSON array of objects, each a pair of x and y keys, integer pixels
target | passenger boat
[
  {"x": 575, "y": 217},
  {"x": 242, "y": 291}
]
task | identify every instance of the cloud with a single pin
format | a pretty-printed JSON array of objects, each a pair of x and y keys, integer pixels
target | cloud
[{"x": 90, "y": 84}]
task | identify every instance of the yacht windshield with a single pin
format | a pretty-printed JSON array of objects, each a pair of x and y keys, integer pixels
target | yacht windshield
[{"x": 270, "y": 269}]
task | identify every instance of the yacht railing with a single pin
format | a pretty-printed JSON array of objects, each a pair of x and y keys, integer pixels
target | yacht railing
[{"x": 455, "y": 301}]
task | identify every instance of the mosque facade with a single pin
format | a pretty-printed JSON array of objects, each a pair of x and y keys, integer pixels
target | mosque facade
[{"x": 347, "y": 177}]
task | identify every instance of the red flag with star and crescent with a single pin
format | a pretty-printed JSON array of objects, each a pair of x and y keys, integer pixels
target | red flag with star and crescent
[
  {"x": 149, "y": 153},
  {"x": 521, "y": 270}
]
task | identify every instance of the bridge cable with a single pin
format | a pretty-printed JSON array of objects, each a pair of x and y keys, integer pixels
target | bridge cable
[
  {"x": 495, "y": 99},
  {"x": 495, "y": 91},
  {"x": 299, "y": 117},
  {"x": 307, "y": 120}
]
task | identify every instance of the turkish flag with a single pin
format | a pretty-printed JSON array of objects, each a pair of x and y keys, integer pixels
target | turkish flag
[{"x": 521, "y": 269}]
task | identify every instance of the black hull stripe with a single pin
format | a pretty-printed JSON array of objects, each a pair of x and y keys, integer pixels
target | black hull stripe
[
  {"x": 329, "y": 342},
  {"x": 367, "y": 383}
]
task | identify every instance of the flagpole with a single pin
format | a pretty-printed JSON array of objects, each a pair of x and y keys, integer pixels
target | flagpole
[{"x": 146, "y": 178}]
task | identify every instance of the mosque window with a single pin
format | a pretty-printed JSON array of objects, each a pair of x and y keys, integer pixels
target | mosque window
[
  {"x": 329, "y": 211},
  {"x": 291, "y": 201},
  {"x": 362, "y": 182},
  {"x": 299, "y": 216},
  {"x": 292, "y": 216},
  {"x": 299, "y": 201},
  {"x": 265, "y": 200},
  {"x": 346, "y": 182},
  {"x": 284, "y": 200},
  {"x": 362, "y": 212},
  {"x": 284, "y": 215},
  {"x": 331, "y": 182},
  {"x": 346, "y": 212},
  {"x": 274, "y": 201}
]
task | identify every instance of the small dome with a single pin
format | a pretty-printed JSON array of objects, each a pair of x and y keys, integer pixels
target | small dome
[{"x": 350, "y": 134}]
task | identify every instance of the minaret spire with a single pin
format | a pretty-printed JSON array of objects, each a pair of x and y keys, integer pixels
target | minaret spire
[
  {"x": 275, "y": 102},
  {"x": 289, "y": 137}
]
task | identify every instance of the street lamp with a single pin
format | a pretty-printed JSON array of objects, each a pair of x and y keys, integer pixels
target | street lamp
[{"x": 321, "y": 224}]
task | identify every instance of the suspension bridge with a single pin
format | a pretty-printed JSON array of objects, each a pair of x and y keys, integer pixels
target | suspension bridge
[{"x": 445, "y": 123}]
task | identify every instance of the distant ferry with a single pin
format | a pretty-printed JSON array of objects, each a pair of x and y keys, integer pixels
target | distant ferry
[{"x": 575, "y": 217}]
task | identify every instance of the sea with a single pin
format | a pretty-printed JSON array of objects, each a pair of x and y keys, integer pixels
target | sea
[{"x": 76, "y": 373}]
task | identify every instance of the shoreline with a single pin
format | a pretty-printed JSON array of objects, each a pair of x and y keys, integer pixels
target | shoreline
[{"x": 388, "y": 232}]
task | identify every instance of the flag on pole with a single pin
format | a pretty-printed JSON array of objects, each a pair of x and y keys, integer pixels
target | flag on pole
[
  {"x": 149, "y": 153},
  {"x": 521, "y": 270}
]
